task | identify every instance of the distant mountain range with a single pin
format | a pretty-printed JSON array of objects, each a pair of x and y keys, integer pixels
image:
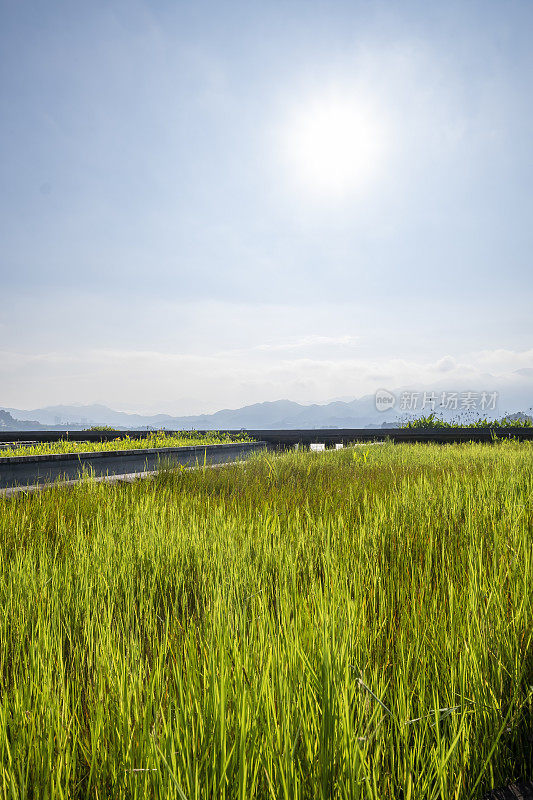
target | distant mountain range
[
  {"x": 280, "y": 414},
  {"x": 272, "y": 415}
]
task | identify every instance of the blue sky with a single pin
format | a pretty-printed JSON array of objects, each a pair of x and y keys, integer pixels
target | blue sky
[{"x": 207, "y": 204}]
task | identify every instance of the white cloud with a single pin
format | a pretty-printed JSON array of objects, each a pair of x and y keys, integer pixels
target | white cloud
[
  {"x": 310, "y": 341},
  {"x": 446, "y": 364},
  {"x": 505, "y": 360},
  {"x": 142, "y": 378}
]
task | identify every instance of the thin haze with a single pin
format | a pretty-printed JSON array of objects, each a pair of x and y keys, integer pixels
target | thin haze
[{"x": 208, "y": 204}]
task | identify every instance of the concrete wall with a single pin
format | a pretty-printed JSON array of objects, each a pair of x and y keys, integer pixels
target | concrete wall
[
  {"x": 32, "y": 470},
  {"x": 288, "y": 438}
]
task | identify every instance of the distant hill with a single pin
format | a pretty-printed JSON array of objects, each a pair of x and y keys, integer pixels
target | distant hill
[
  {"x": 279, "y": 414},
  {"x": 267, "y": 415},
  {"x": 520, "y": 417},
  {"x": 9, "y": 423}
]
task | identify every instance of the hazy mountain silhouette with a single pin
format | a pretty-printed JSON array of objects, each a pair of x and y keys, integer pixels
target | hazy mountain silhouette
[
  {"x": 274, "y": 414},
  {"x": 359, "y": 413}
]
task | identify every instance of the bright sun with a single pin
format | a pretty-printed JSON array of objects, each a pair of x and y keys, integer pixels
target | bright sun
[{"x": 335, "y": 146}]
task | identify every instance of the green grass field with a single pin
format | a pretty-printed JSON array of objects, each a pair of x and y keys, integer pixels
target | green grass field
[
  {"x": 351, "y": 624},
  {"x": 156, "y": 439}
]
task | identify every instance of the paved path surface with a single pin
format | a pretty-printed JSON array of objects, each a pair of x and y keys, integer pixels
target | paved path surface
[{"x": 129, "y": 477}]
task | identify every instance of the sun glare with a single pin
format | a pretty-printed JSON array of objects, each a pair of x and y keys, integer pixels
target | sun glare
[{"x": 335, "y": 146}]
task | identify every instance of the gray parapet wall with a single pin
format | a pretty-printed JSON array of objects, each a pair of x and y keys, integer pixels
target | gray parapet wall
[
  {"x": 280, "y": 439},
  {"x": 38, "y": 470}
]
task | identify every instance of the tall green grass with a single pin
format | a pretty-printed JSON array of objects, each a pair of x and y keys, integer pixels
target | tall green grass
[
  {"x": 352, "y": 624},
  {"x": 155, "y": 439},
  {"x": 467, "y": 420}
]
